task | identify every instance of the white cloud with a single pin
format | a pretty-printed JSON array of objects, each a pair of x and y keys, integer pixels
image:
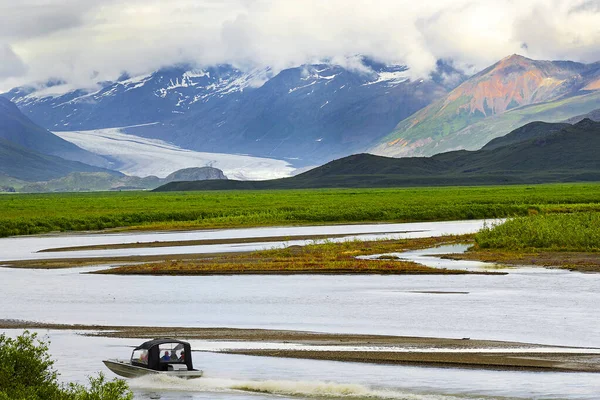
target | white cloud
[
  {"x": 10, "y": 64},
  {"x": 83, "y": 40},
  {"x": 561, "y": 30}
]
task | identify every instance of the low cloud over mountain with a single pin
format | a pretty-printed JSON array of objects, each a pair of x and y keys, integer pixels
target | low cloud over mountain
[{"x": 83, "y": 42}]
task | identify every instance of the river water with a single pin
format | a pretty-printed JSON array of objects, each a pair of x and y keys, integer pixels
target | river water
[
  {"x": 527, "y": 305},
  {"x": 28, "y": 247}
]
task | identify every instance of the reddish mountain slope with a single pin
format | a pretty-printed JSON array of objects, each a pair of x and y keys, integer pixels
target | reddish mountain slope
[{"x": 513, "y": 83}]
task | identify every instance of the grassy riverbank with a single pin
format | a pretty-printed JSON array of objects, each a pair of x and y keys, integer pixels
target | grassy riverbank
[
  {"x": 556, "y": 232},
  {"x": 40, "y": 213},
  {"x": 556, "y": 240}
]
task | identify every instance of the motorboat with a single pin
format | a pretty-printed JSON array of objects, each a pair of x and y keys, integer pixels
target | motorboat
[{"x": 159, "y": 356}]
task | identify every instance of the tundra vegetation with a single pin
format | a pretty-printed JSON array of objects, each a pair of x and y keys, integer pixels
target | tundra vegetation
[
  {"x": 27, "y": 373},
  {"x": 570, "y": 241},
  {"x": 22, "y": 214},
  {"x": 317, "y": 258},
  {"x": 553, "y": 232}
]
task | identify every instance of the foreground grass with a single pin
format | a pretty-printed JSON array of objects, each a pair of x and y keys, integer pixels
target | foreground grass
[
  {"x": 23, "y": 214},
  {"x": 325, "y": 258}
]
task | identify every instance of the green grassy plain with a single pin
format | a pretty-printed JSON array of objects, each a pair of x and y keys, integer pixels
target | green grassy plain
[{"x": 22, "y": 214}]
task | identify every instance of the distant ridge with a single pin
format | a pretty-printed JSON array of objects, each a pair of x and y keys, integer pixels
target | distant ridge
[
  {"x": 101, "y": 181},
  {"x": 535, "y": 153},
  {"x": 593, "y": 115},
  {"x": 29, "y": 152},
  {"x": 533, "y": 130},
  {"x": 306, "y": 115},
  {"x": 27, "y": 165},
  {"x": 514, "y": 91},
  {"x": 18, "y": 129}
]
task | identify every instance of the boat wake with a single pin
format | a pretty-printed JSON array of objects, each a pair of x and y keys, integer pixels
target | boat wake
[{"x": 301, "y": 389}]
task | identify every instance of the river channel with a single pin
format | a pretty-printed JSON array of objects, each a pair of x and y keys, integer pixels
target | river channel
[{"x": 529, "y": 305}]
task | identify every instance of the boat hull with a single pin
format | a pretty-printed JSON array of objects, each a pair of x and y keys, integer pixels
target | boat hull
[{"x": 127, "y": 370}]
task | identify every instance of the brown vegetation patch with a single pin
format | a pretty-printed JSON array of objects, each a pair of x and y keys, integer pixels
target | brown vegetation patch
[
  {"x": 57, "y": 263},
  {"x": 326, "y": 258}
]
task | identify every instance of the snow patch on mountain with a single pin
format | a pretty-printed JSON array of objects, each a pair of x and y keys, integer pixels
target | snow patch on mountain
[
  {"x": 181, "y": 87},
  {"x": 135, "y": 82},
  {"x": 292, "y": 90},
  {"x": 143, "y": 157},
  {"x": 391, "y": 78}
]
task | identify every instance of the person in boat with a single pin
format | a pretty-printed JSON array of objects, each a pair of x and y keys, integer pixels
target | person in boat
[
  {"x": 174, "y": 356},
  {"x": 182, "y": 356},
  {"x": 166, "y": 357}
]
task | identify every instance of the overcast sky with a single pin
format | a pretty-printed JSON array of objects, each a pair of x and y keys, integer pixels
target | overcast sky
[{"x": 83, "y": 41}]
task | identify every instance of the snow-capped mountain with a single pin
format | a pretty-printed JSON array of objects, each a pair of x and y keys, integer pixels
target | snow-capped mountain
[
  {"x": 308, "y": 114},
  {"x": 158, "y": 96}
]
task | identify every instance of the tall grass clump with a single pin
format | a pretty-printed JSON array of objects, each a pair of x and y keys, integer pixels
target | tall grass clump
[{"x": 554, "y": 232}]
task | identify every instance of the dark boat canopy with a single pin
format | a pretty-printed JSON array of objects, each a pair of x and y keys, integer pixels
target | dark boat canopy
[
  {"x": 163, "y": 354},
  {"x": 155, "y": 342}
]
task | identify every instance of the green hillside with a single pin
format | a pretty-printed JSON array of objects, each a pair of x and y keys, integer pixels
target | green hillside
[
  {"x": 477, "y": 135},
  {"x": 532, "y": 130},
  {"x": 533, "y": 154},
  {"x": 16, "y": 128}
]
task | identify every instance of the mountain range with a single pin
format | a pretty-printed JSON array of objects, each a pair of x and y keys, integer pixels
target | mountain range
[
  {"x": 514, "y": 91},
  {"x": 31, "y": 153},
  {"x": 20, "y": 131},
  {"x": 31, "y": 159},
  {"x": 26, "y": 165},
  {"x": 157, "y": 123},
  {"x": 534, "y": 153},
  {"x": 313, "y": 113},
  {"x": 306, "y": 114}
]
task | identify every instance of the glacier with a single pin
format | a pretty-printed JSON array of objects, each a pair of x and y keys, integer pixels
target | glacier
[{"x": 138, "y": 156}]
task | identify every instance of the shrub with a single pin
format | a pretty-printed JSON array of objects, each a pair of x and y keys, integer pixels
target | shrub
[
  {"x": 27, "y": 372},
  {"x": 100, "y": 389}
]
